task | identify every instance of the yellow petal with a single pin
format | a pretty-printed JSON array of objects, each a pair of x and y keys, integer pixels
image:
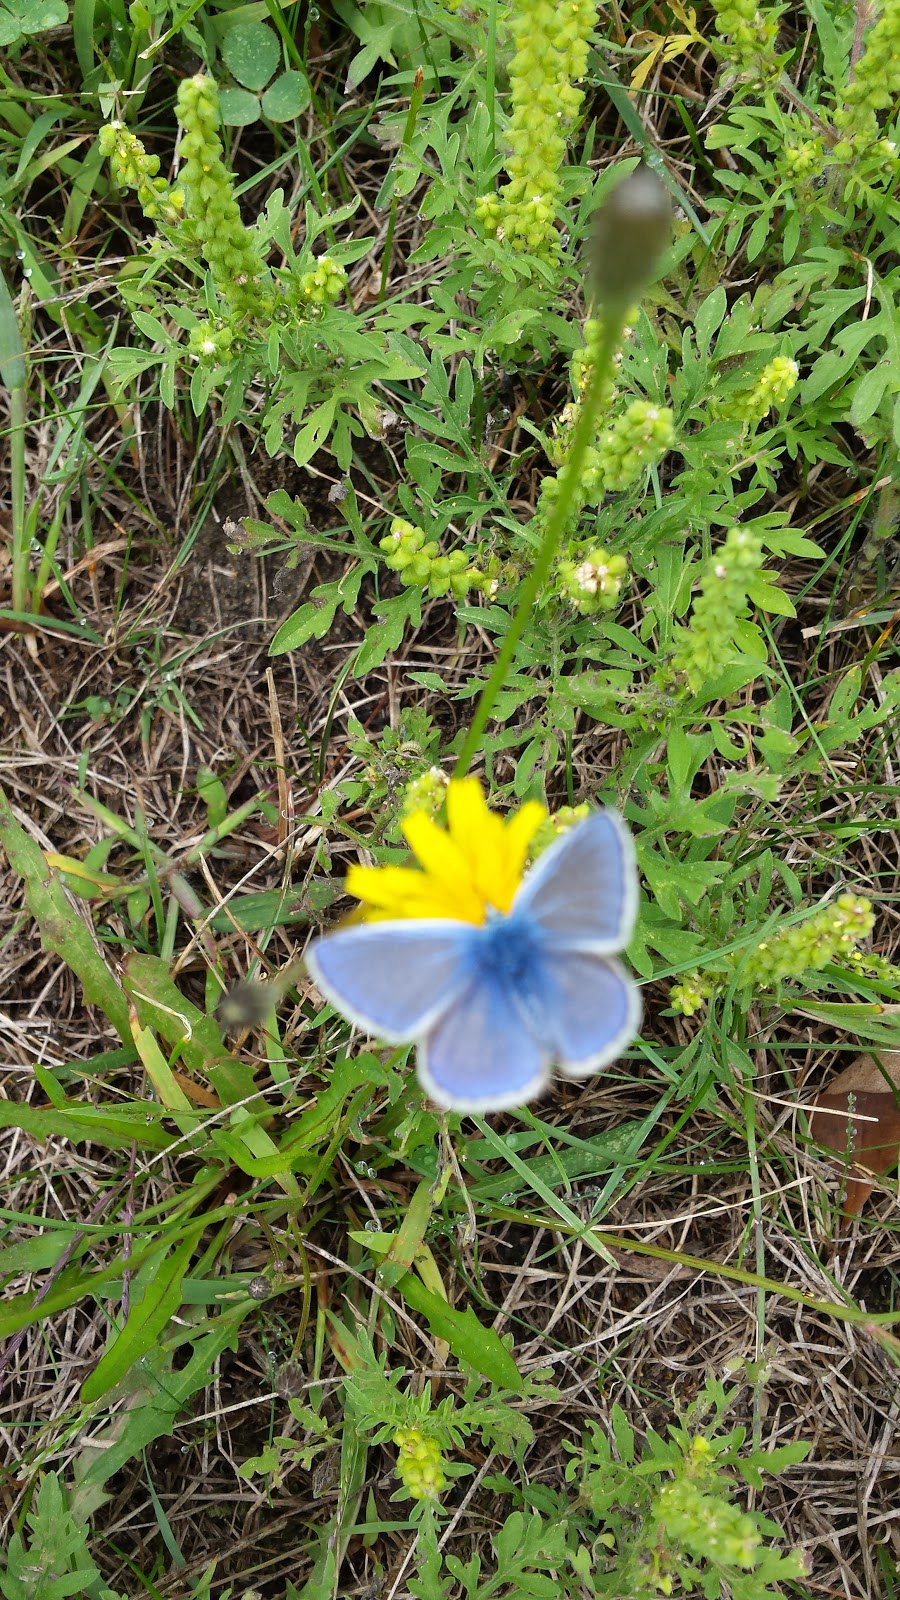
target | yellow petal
[
  {"x": 467, "y": 809},
  {"x": 520, "y": 830},
  {"x": 474, "y": 863},
  {"x": 402, "y": 892},
  {"x": 510, "y": 860},
  {"x": 439, "y": 854},
  {"x": 382, "y": 886},
  {"x": 479, "y": 834}
]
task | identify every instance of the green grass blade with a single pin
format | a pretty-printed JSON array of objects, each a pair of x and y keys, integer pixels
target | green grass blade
[
  {"x": 62, "y": 929},
  {"x": 147, "y": 1320}
]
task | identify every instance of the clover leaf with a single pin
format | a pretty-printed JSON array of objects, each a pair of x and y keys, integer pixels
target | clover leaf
[
  {"x": 252, "y": 53},
  {"x": 19, "y": 18}
]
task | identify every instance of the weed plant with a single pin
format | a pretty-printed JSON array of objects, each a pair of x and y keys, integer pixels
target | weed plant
[{"x": 589, "y": 430}]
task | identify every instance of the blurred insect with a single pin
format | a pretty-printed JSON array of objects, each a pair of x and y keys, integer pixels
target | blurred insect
[
  {"x": 492, "y": 1006},
  {"x": 248, "y": 1003}
]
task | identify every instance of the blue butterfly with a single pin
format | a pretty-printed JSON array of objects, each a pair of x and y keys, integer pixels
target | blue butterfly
[{"x": 491, "y": 1007}]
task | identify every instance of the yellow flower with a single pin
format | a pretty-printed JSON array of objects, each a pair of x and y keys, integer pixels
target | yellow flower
[{"x": 474, "y": 865}]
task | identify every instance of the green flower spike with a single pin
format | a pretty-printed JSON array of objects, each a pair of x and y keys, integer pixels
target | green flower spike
[
  {"x": 748, "y": 34},
  {"x": 551, "y": 50},
  {"x": 875, "y": 84},
  {"x": 420, "y": 1465},
  {"x": 419, "y": 562},
  {"x": 427, "y": 793},
  {"x": 704, "y": 648},
  {"x": 228, "y": 246},
  {"x": 133, "y": 168},
  {"x": 828, "y": 935},
  {"x": 593, "y": 581},
  {"x": 324, "y": 284}
]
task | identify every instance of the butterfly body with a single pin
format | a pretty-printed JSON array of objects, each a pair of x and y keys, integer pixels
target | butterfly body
[{"x": 493, "y": 1006}]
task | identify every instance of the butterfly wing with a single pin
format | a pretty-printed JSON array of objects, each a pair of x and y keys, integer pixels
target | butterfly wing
[
  {"x": 481, "y": 1055},
  {"x": 583, "y": 890},
  {"x": 592, "y": 1010},
  {"x": 394, "y": 979}
]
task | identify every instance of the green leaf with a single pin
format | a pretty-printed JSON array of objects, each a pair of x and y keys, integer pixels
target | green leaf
[
  {"x": 315, "y": 618},
  {"x": 212, "y": 792},
  {"x": 287, "y": 97},
  {"x": 112, "y": 1127},
  {"x": 12, "y": 359},
  {"x": 309, "y": 622},
  {"x": 238, "y": 108},
  {"x": 710, "y": 317},
  {"x": 758, "y": 236},
  {"x": 149, "y": 1316},
  {"x": 57, "y": 1561},
  {"x": 157, "y": 1393},
  {"x": 386, "y": 635},
  {"x": 385, "y": 29},
  {"x": 472, "y": 1343},
  {"x": 770, "y": 598},
  {"x": 20, "y": 18},
  {"x": 151, "y": 327},
  {"x": 584, "y": 1159},
  {"x": 272, "y": 908},
  {"x": 62, "y": 929},
  {"x": 161, "y": 1005},
  {"x": 686, "y": 754},
  {"x": 40, "y": 1251},
  {"x": 507, "y": 330},
  {"x": 251, "y": 53},
  {"x": 84, "y": 35},
  {"x": 868, "y": 392},
  {"x": 791, "y": 239},
  {"x": 315, "y": 431},
  {"x": 878, "y": 1024},
  {"x": 829, "y": 369},
  {"x": 834, "y": 44}
]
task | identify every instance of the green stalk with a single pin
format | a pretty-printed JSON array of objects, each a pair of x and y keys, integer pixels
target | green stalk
[
  {"x": 632, "y": 228},
  {"x": 557, "y": 522},
  {"x": 14, "y": 374},
  {"x": 409, "y": 128},
  {"x": 491, "y": 83}
]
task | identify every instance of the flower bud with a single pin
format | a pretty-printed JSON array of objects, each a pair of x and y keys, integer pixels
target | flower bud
[{"x": 633, "y": 228}]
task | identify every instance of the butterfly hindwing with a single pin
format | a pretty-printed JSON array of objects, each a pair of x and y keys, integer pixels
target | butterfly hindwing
[
  {"x": 594, "y": 1013},
  {"x": 480, "y": 1055},
  {"x": 394, "y": 978},
  {"x": 583, "y": 890}
]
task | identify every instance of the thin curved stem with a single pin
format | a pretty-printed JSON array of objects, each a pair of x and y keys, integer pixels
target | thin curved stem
[{"x": 569, "y": 479}]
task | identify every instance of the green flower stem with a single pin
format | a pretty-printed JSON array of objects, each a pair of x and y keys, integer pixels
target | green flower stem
[
  {"x": 14, "y": 375},
  {"x": 412, "y": 117},
  {"x": 20, "y": 540},
  {"x": 590, "y": 410},
  {"x": 490, "y": 86}
]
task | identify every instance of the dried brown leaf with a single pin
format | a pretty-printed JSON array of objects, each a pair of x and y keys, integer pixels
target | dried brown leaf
[{"x": 858, "y": 1116}]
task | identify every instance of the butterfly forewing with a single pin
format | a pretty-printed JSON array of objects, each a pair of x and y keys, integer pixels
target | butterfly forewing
[
  {"x": 394, "y": 978},
  {"x": 583, "y": 891}
]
